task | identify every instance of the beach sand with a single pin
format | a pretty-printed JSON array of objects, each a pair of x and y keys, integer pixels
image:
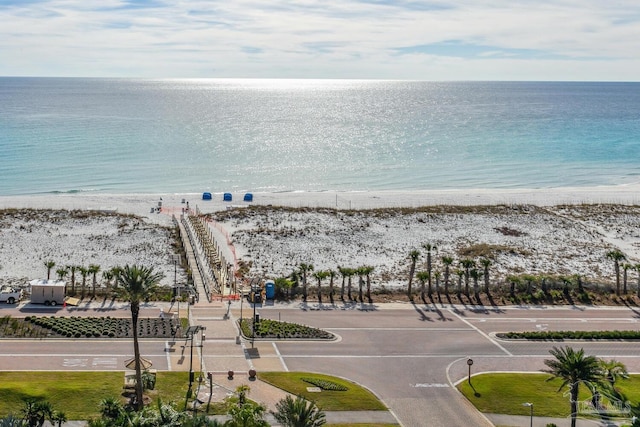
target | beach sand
[{"x": 543, "y": 237}]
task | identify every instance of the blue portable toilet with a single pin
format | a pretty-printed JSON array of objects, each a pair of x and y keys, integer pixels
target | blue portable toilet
[
  {"x": 227, "y": 197},
  {"x": 270, "y": 289},
  {"x": 206, "y": 196},
  {"x": 248, "y": 197}
]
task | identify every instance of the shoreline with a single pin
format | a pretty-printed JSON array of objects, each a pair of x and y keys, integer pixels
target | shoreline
[{"x": 141, "y": 203}]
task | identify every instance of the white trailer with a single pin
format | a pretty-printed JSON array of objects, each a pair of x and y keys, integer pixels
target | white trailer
[
  {"x": 47, "y": 292},
  {"x": 10, "y": 295}
]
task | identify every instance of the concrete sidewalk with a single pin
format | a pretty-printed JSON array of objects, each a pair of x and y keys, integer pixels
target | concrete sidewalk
[{"x": 519, "y": 420}]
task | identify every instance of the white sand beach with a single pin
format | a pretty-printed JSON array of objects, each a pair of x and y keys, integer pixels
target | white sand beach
[{"x": 547, "y": 238}]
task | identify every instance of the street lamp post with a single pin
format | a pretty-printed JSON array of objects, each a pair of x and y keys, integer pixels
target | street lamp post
[
  {"x": 530, "y": 405},
  {"x": 176, "y": 258},
  {"x": 253, "y": 323},
  {"x": 469, "y": 363}
]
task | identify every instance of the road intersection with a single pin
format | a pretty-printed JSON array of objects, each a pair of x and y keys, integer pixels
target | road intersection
[{"x": 410, "y": 355}]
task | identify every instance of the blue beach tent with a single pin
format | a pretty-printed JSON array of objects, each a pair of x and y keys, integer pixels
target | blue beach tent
[
  {"x": 227, "y": 197},
  {"x": 248, "y": 197},
  {"x": 206, "y": 196}
]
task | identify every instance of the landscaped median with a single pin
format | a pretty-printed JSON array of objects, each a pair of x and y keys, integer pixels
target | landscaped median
[
  {"x": 570, "y": 335},
  {"x": 275, "y": 330},
  {"x": 328, "y": 392}
]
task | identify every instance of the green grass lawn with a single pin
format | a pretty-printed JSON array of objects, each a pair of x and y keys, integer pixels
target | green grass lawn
[
  {"x": 78, "y": 394},
  {"x": 355, "y": 398},
  {"x": 504, "y": 393}
]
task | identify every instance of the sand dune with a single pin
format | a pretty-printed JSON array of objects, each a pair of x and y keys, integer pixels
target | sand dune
[{"x": 524, "y": 231}]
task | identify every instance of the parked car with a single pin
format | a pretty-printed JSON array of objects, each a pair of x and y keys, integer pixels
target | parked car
[{"x": 10, "y": 295}]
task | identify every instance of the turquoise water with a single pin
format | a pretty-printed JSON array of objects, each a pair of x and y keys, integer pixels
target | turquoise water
[{"x": 156, "y": 136}]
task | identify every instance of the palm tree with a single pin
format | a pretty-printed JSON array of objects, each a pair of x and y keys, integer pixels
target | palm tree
[
  {"x": 579, "y": 283},
  {"x": 436, "y": 276},
  {"x": 344, "y": 272},
  {"x": 246, "y": 414},
  {"x": 611, "y": 371},
  {"x": 447, "y": 261},
  {"x": 36, "y": 411},
  {"x": 49, "y": 265},
  {"x": 513, "y": 281},
  {"x": 467, "y": 264},
  {"x": 115, "y": 271},
  {"x": 320, "y": 276},
  {"x": 423, "y": 277},
  {"x": 625, "y": 268},
  {"x": 367, "y": 270},
  {"x": 62, "y": 272},
  {"x": 413, "y": 256},
  {"x": 111, "y": 408},
  {"x": 138, "y": 283},
  {"x": 93, "y": 270},
  {"x": 350, "y": 273},
  {"x": 107, "y": 276},
  {"x": 529, "y": 278},
  {"x": 486, "y": 262},
  {"x": 475, "y": 275},
  {"x": 360, "y": 273},
  {"x": 429, "y": 247},
  {"x": 58, "y": 418},
  {"x": 332, "y": 276},
  {"x": 304, "y": 269},
  {"x": 73, "y": 269},
  {"x": 298, "y": 413},
  {"x": 572, "y": 367},
  {"x": 83, "y": 272},
  {"x": 460, "y": 274},
  {"x": 616, "y": 256}
]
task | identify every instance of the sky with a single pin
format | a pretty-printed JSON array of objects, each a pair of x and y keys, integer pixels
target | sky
[{"x": 434, "y": 40}]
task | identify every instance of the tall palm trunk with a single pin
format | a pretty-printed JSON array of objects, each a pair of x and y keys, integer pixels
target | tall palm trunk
[
  {"x": 135, "y": 311},
  {"x": 331, "y": 291},
  {"x": 574, "y": 403}
]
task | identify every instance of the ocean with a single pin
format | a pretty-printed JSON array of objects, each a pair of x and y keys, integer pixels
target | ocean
[{"x": 65, "y": 135}]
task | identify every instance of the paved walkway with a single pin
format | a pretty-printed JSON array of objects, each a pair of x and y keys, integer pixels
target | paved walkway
[{"x": 224, "y": 350}]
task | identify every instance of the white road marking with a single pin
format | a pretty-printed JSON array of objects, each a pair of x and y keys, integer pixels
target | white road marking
[
  {"x": 105, "y": 361},
  {"x": 482, "y": 333},
  {"x": 75, "y": 363},
  {"x": 284, "y": 365},
  {"x": 431, "y": 385}
]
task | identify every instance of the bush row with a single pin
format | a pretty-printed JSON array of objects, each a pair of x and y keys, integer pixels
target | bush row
[
  {"x": 324, "y": 384},
  {"x": 266, "y": 328},
  {"x": 571, "y": 335}
]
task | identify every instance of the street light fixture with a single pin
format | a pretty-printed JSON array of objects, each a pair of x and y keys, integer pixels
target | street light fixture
[
  {"x": 469, "y": 363},
  {"x": 530, "y": 405},
  {"x": 190, "y": 334}
]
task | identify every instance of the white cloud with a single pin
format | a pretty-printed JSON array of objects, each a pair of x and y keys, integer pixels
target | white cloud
[{"x": 432, "y": 40}]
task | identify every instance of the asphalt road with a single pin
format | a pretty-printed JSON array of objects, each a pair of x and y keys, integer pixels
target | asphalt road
[{"x": 411, "y": 356}]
